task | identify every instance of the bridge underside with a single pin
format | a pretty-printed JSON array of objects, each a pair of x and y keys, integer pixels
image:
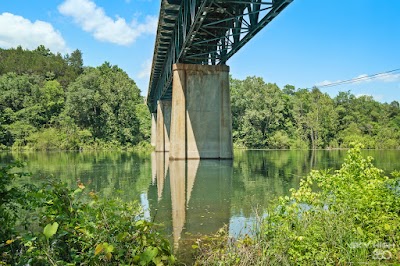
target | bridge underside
[{"x": 205, "y": 32}]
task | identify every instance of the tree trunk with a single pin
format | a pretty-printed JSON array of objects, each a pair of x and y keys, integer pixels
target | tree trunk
[{"x": 312, "y": 139}]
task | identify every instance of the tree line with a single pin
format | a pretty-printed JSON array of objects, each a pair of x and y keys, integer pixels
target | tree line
[
  {"x": 265, "y": 116},
  {"x": 49, "y": 101}
]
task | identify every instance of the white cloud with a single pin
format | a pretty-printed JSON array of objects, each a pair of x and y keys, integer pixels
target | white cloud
[
  {"x": 145, "y": 70},
  {"x": 16, "y": 30},
  {"x": 389, "y": 77},
  {"x": 325, "y": 83},
  {"x": 384, "y": 77},
  {"x": 363, "y": 78},
  {"x": 93, "y": 19}
]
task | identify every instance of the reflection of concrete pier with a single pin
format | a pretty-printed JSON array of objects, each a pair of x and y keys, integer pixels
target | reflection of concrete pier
[
  {"x": 199, "y": 201},
  {"x": 161, "y": 169},
  {"x": 178, "y": 198},
  {"x": 209, "y": 205}
]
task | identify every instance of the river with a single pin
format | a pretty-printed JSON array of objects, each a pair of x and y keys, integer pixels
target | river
[{"x": 192, "y": 198}]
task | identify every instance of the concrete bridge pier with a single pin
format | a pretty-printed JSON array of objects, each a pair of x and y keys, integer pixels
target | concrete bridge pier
[
  {"x": 153, "y": 139},
  {"x": 163, "y": 126},
  {"x": 201, "y": 124}
]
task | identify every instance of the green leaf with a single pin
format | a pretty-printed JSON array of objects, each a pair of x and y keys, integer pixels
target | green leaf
[
  {"x": 387, "y": 227},
  {"x": 108, "y": 248},
  {"x": 360, "y": 231},
  {"x": 149, "y": 254},
  {"x": 99, "y": 248},
  {"x": 76, "y": 191},
  {"x": 140, "y": 222},
  {"x": 108, "y": 256},
  {"x": 122, "y": 235},
  {"x": 157, "y": 261},
  {"x": 50, "y": 230}
]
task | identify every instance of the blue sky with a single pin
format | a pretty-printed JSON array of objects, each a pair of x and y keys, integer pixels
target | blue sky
[{"x": 312, "y": 42}]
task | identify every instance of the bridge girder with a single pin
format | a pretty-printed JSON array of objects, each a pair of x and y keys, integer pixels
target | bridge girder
[{"x": 206, "y": 32}]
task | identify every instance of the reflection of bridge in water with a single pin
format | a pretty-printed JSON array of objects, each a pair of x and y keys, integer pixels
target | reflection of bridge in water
[{"x": 195, "y": 193}]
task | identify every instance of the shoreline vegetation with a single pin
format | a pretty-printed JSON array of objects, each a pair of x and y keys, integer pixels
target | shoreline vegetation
[
  {"x": 350, "y": 216},
  {"x": 347, "y": 216},
  {"x": 53, "y": 102},
  {"x": 52, "y": 224}
]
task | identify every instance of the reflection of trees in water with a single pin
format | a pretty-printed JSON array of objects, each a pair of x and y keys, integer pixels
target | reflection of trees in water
[
  {"x": 261, "y": 175},
  {"x": 112, "y": 174}
]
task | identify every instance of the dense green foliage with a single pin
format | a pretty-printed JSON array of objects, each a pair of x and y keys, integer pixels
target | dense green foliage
[
  {"x": 10, "y": 200},
  {"x": 52, "y": 102},
  {"x": 41, "y": 62},
  {"x": 351, "y": 216},
  {"x": 265, "y": 116},
  {"x": 51, "y": 224}
]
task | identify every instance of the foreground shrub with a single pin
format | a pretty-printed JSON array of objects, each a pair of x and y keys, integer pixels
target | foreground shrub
[
  {"x": 11, "y": 198},
  {"x": 54, "y": 225},
  {"x": 351, "y": 216}
]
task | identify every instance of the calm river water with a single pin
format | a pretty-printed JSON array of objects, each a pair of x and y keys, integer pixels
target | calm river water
[{"x": 192, "y": 197}]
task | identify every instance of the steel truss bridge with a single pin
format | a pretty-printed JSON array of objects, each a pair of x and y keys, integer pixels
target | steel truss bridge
[{"x": 206, "y": 32}]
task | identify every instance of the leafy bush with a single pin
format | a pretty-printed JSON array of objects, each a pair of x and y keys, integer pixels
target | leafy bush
[
  {"x": 11, "y": 198},
  {"x": 351, "y": 216},
  {"x": 59, "y": 226}
]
